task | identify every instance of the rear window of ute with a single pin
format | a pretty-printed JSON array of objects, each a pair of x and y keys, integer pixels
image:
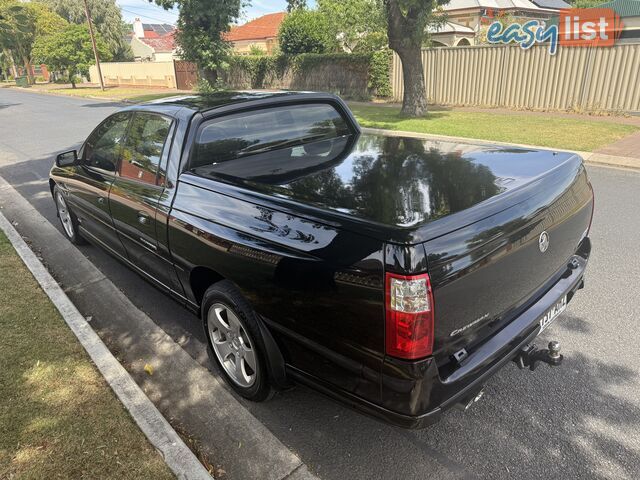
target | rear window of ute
[{"x": 266, "y": 130}]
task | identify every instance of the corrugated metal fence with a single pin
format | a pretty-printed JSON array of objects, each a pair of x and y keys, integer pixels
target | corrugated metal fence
[{"x": 602, "y": 79}]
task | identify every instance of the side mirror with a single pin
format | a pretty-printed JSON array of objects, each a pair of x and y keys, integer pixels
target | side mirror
[{"x": 67, "y": 159}]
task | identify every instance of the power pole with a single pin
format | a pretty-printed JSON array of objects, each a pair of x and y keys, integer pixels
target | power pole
[{"x": 93, "y": 42}]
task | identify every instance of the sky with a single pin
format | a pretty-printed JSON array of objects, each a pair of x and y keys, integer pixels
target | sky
[{"x": 151, "y": 13}]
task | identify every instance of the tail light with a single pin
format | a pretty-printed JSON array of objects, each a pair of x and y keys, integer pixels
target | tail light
[{"x": 409, "y": 316}]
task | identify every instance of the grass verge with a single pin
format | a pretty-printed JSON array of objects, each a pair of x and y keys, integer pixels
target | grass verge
[
  {"x": 58, "y": 416},
  {"x": 554, "y": 131},
  {"x": 135, "y": 95}
]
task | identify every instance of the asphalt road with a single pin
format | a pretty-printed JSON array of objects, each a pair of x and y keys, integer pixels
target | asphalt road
[{"x": 581, "y": 420}]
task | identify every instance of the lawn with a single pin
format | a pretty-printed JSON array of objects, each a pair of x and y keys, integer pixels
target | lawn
[
  {"x": 129, "y": 94},
  {"x": 552, "y": 130},
  {"x": 58, "y": 417}
]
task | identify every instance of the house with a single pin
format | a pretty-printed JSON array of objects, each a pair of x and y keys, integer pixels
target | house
[
  {"x": 161, "y": 49},
  {"x": 153, "y": 42},
  {"x": 466, "y": 18},
  {"x": 629, "y": 12},
  {"x": 260, "y": 33}
]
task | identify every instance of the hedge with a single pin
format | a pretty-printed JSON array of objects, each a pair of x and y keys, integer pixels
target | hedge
[{"x": 274, "y": 71}]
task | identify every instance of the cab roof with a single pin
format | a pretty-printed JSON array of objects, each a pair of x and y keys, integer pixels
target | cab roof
[
  {"x": 214, "y": 104},
  {"x": 211, "y": 101}
]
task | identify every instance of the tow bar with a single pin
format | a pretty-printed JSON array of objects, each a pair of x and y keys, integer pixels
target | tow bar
[{"x": 530, "y": 355}]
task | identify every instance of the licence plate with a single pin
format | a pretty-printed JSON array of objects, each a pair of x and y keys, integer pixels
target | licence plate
[{"x": 553, "y": 313}]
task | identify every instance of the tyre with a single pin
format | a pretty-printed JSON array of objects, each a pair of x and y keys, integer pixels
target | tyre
[
  {"x": 234, "y": 341},
  {"x": 68, "y": 220}
]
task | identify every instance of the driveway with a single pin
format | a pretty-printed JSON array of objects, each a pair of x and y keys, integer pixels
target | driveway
[{"x": 579, "y": 420}]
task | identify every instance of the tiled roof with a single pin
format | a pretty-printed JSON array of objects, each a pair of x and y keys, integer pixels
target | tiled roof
[
  {"x": 166, "y": 43},
  {"x": 266, "y": 26}
]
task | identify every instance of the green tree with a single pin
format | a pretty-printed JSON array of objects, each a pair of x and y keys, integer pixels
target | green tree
[
  {"x": 306, "y": 31},
  {"x": 47, "y": 21},
  {"x": 106, "y": 17},
  {"x": 295, "y": 5},
  {"x": 23, "y": 24},
  {"x": 17, "y": 32},
  {"x": 70, "y": 50},
  {"x": 407, "y": 21},
  {"x": 201, "y": 28},
  {"x": 359, "y": 25},
  {"x": 586, "y": 3}
]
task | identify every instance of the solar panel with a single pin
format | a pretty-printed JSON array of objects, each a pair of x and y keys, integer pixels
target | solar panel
[{"x": 160, "y": 29}]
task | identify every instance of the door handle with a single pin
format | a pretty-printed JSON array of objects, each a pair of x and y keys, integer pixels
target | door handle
[{"x": 143, "y": 218}]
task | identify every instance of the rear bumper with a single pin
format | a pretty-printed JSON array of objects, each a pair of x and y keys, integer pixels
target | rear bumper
[
  {"x": 414, "y": 395},
  {"x": 485, "y": 361}
]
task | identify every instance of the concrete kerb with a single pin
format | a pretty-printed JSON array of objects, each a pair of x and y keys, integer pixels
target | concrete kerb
[
  {"x": 162, "y": 436},
  {"x": 588, "y": 157},
  {"x": 124, "y": 101}
]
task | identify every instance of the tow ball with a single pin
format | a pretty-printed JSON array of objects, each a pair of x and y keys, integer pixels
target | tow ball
[{"x": 530, "y": 355}]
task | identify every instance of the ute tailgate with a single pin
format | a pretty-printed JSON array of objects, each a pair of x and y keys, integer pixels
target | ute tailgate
[{"x": 484, "y": 275}]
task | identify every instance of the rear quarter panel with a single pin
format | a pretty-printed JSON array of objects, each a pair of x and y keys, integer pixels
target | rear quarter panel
[{"x": 318, "y": 287}]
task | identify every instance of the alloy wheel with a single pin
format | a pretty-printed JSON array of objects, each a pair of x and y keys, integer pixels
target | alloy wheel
[
  {"x": 65, "y": 216},
  {"x": 232, "y": 345}
]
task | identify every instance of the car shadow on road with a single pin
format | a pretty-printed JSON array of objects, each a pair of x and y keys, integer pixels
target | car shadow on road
[{"x": 574, "y": 324}]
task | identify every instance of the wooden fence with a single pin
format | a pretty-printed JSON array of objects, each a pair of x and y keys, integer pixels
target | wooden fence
[{"x": 590, "y": 79}]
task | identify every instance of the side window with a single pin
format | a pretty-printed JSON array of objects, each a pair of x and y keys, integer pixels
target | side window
[
  {"x": 102, "y": 148},
  {"x": 249, "y": 133},
  {"x": 143, "y": 147}
]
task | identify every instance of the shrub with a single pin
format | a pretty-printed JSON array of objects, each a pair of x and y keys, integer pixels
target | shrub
[
  {"x": 205, "y": 87},
  {"x": 291, "y": 70},
  {"x": 306, "y": 31},
  {"x": 379, "y": 73},
  {"x": 256, "y": 50}
]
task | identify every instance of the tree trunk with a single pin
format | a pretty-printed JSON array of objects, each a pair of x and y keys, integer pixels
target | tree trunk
[
  {"x": 211, "y": 76},
  {"x": 405, "y": 29},
  {"x": 414, "y": 101},
  {"x": 27, "y": 66},
  {"x": 12, "y": 63}
]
